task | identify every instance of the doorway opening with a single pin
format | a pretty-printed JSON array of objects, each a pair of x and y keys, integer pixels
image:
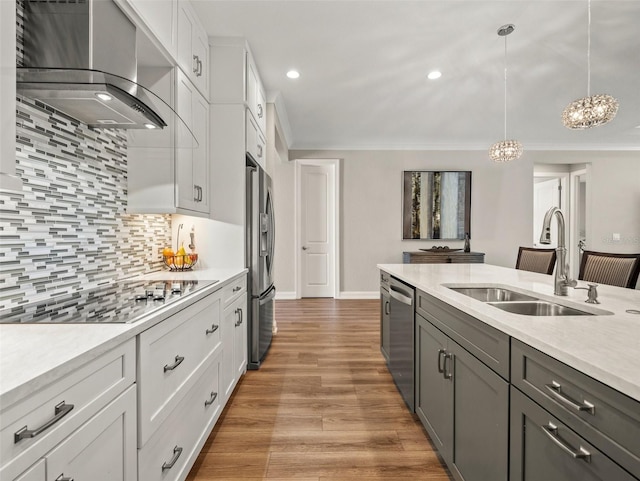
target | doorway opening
[{"x": 317, "y": 228}]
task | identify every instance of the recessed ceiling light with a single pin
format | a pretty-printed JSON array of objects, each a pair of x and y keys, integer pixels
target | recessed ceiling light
[
  {"x": 434, "y": 75},
  {"x": 150, "y": 126},
  {"x": 105, "y": 97},
  {"x": 293, "y": 74}
]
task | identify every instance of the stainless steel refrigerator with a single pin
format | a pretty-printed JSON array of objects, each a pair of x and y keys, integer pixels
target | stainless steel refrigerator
[{"x": 260, "y": 241}]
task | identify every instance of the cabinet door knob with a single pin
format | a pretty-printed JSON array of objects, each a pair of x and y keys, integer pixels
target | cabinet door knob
[{"x": 304, "y": 248}]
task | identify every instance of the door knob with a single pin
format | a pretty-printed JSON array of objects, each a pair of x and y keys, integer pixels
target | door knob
[{"x": 304, "y": 248}]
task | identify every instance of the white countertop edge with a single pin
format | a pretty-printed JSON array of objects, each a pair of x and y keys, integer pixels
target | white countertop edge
[
  {"x": 19, "y": 378},
  {"x": 581, "y": 346}
]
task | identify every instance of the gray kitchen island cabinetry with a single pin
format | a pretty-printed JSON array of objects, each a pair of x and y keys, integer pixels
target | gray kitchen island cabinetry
[
  {"x": 589, "y": 417},
  {"x": 543, "y": 448},
  {"x": 462, "y": 403}
]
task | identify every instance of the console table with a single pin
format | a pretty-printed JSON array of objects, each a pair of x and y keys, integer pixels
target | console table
[{"x": 434, "y": 257}]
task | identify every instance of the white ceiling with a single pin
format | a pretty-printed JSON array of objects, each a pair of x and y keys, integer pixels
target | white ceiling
[{"x": 363, "y": 68}]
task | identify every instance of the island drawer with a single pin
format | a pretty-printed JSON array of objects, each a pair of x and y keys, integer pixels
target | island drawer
[
  {"x": 173, "y": 448},
  {"x": 488, "y": 344},
  {"x": 234, "y": 289},
  {"x": 608, "y": 418},
  {"x": 33, "y": 426},
  {"x": 169, "y": 354}
]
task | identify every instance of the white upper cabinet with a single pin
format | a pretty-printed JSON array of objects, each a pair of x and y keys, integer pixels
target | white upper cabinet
[
  {"x": 193, "y": 47},
  {"x": 161, "y": 18},
  {"x": 255, "y": 95},
  {"x": 235, "y": 78},
  {"x": 169, "y": 169}
]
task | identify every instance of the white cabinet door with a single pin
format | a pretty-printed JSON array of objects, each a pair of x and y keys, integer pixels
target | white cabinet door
[
  {"x": 234, "y": 344},
  {"x": 255, "y": 143},
  {"x": 240, "y": 337},
  {"x": 193, "y": 47},
  {"x": 103, "y": 449},
  {"x": 160, "y": 17},
  {"x": 255, "y": 96},
  {"x": 192, "y": 161}
]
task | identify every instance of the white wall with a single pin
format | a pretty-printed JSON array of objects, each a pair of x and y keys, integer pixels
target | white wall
[
  {"x": 371, "y": 217},
  {"x": 501, "y": 207}
]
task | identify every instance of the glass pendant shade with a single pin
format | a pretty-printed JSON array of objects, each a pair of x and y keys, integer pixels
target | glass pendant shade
[
  {"x": 589, "y": 112},
  {"x": 592, "y": 110},
  {"x": 505, "y": 151}
]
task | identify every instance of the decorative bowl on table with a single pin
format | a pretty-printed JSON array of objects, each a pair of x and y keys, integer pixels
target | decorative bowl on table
[{"x": 180, "y": 262}]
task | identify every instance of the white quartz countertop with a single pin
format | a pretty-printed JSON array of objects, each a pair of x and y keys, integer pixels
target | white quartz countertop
[
  {"x": 605, "y": 347},
  {"x": 33, "y": 355}
]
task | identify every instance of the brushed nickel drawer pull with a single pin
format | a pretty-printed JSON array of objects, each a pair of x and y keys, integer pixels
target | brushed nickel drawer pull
[
  {"x": 240, "y": 316},
  {"x": 448, "y": 373},
  {"x": 214, "y": 328},
  {"x": 551, "y": 430},
  {"x": 177, "y": 451},
  {"x": 60, "y": 411},
  {"x": 440, "y": 353},
  {"x": 237, "y": 288},
  {"x": 179, "y": 360},
  {"x": 555, "y": 389},
  {"x": 62, "y": 478},
  {"x": 211, "y": 400}
]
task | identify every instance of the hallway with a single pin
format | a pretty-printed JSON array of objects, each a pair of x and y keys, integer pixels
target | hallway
[{"x": 322, "y": 407}]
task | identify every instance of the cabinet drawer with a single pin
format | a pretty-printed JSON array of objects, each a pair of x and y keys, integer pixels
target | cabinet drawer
[
  {"x": 233, "y": 290},
  {"x": 169, "y": 355},
  {"x": 63, "y": 406},
  {"x": 103, "y": 448},
  {"x": 172, "y": 449},
  {"x": 544, "y": 448},
  {"x": 609, "y": 419},
  {"x": 488, "y": 344}
]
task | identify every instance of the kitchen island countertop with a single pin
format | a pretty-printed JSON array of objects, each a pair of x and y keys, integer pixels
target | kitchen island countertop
[
  {"x": 34, "y": 355},
  {"x": 605, "y": 347}
]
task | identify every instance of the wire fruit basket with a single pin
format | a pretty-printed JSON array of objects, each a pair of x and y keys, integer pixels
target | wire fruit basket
[{"x": 180, "y": 262}]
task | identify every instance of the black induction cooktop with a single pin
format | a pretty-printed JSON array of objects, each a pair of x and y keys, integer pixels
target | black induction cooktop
[{"x": 122, "y": 302}]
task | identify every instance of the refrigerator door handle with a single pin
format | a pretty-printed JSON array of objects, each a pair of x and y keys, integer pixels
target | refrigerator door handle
[{"x": 268, "y": 296}]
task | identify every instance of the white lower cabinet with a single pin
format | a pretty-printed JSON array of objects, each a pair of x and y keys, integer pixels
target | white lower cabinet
[
  {"x": 172, "y": 450},
  {"x": 234, "y": 343},
  {"x": 102, "y": 449}
]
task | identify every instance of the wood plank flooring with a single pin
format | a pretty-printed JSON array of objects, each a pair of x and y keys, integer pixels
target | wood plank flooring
[{"x": 323, "y": 407}]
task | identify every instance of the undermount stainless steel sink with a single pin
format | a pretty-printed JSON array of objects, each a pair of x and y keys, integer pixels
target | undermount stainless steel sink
[
  {"x": 520, "y": 303},
  {"x": 539, "y": 308},
  {"x": 493, "y": 294}
]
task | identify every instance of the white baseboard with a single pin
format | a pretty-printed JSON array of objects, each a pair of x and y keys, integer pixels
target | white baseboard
[
  {"x": 291, "y": 295},
  {"x": 285, "y": 295},
  {"x": 359, "y": 295}
]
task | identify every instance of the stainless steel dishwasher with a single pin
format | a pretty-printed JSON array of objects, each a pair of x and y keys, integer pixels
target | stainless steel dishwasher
[{"x": 401, "y": 363}]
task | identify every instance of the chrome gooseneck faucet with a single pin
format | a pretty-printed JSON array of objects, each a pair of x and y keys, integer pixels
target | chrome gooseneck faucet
[{"x": 561, "y": 281}]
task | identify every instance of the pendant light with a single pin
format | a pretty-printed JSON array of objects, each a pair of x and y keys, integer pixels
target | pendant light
[
  {"x": 592, "y": 110},
  {"x": 505, "y": 150}
]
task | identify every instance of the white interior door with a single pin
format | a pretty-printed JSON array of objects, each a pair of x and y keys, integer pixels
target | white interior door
[
  {"x": 546, "y": 194},
  {"x": 317, "y": 225}
]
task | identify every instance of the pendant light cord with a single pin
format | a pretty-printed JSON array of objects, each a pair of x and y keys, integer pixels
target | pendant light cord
[
  {"x": 505, "y": 87},
  {"x": 588, "y": 48}
]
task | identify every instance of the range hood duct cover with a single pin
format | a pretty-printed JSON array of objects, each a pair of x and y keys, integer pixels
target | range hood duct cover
[{"x": 80, "y": 58}]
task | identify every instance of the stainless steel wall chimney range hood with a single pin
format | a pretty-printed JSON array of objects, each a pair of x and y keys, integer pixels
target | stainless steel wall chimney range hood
[{"x": 80, "y": 58}]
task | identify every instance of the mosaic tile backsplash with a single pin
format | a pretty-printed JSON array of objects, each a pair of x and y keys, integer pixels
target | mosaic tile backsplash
[{"x": 68, "y": 228}]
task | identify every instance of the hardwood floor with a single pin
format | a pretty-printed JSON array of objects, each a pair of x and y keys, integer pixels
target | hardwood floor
[{"x": 322, "y": 407}]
